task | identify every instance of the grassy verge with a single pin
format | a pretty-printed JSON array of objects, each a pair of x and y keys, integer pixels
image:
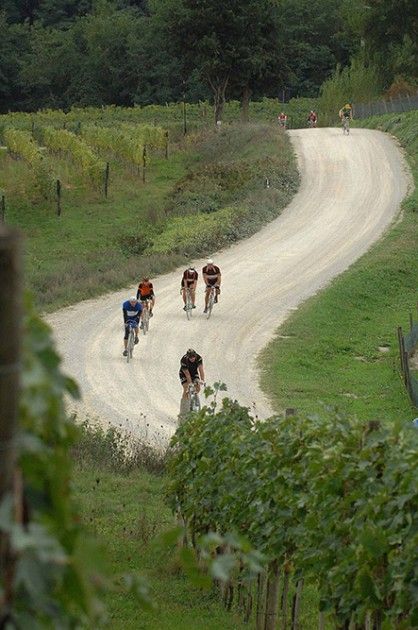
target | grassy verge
[
  {"x": 210, "y": 193},
  {"x": 340, "y": 348}
]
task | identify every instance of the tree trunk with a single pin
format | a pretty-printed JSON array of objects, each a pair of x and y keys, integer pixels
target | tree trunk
[
  {"x": 272, "y": 600},
  {"x": 261, "y": 601},
  {"x": 10, "y": 340},
  {"x": 219, "y": 88},
  {"x": 296, "y": 605},
  {"x": 285, "y": 597},
  {"x": 245, "y": 104}
]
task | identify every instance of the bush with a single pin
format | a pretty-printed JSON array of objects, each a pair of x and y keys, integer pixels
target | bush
[{"x": 116, "y": 450}]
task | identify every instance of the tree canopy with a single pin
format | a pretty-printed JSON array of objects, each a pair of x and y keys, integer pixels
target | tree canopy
[{"x": 59, "y": 53}]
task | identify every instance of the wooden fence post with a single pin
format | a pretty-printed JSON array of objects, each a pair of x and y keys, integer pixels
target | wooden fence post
[
  {"x": 106, "y": 181},
  {"x": 401, "y": 351},
  {"x": 144, "y": 162},
  {"x": 10, "y": 341},
  {"x": 407, "y": 375},
  {"x": 166, "y": 145},
  {"x": 2, "y": 208},
  {"x": 58, "y": 198}
]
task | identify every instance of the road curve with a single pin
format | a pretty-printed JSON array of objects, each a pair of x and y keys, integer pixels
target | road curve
[{"x": 350, "y": 192}]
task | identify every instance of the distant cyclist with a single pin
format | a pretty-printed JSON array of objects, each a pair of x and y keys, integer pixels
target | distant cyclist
[
  {"x": 189, "y": 281},
  {"x": 132, "y": 310},
  {"x": 145, "y": 293},
  {"x": 346, "y": 112},
  {"x": 312, "y": 118},
  {"x": 191, "y": 371},
  {"x": 282, "y": 118},
  {"x": 212, "y": 278}
]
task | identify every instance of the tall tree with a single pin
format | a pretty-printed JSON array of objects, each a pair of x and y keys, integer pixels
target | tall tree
[{"x": 223, "y": 40}]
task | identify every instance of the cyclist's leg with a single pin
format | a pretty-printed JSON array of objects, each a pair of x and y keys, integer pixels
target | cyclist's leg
[
  {"x": 207, "y": 293},
  {"x": 193, "y": 295},
  {"x": 185, "y": 385},
  {"x": 218, "y": 290},
  {"x": 125, "y": 339},
  {"x": 136, "y": 332}
]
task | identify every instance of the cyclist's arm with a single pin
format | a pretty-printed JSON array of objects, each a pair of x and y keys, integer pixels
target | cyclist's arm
[
  {"x": 187, "y": 374},
  {"x": 218, "y": 282},
  {"x": 201, "y": 372},
  {"x": 125, "y": 315}
]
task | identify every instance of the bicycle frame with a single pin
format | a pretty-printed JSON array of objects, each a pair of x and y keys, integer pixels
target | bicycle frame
[
  {"x": 194, "y": 401},
  {"x": 211, "y": 301},
  {"x": 188, "y": 304},
  {"x": 131, "y": 341}
]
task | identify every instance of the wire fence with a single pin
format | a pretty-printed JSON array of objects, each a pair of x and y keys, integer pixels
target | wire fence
[
  {"x": 391, "y": 105},
  {"x": 408, "y": 346}
]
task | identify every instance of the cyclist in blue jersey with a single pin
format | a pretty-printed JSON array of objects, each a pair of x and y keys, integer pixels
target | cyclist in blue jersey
[{"x": 132, "y": 313}]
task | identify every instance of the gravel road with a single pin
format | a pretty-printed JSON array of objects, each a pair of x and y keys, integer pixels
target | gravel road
[{"x": 350, "y": 192}]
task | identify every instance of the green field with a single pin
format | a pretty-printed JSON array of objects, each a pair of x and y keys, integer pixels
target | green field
[
  {"x": 340, "y": 348},
  {"x": 330, "y": 357},
  {"x": 209, "y": 193}
]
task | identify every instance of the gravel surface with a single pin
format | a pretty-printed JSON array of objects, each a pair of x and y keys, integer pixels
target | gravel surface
[{"x": 350, "y": 192}]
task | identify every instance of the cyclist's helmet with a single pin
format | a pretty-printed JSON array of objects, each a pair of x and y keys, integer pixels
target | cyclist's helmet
[
  {"x": 192, "y": 267},
  {"x": 209, "y": 261},
  {"x": 191, "y": 353},
  {"x": 145, "y": 279},
  {"x": 133, "y": 298}
]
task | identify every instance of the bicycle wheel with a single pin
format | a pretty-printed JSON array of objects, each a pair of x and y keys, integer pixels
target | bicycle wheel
[
  {"x": 131, "y": 344},
  {"x": 145, "y": 320},
  {"x": 195, "y": 403},
  {"x": 211, "y": 302},
  {"x": 189, "y": 305}
]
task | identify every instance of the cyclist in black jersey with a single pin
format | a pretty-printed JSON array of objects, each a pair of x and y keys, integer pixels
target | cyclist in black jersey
[
  {"x": 191, "y": 371},
  {"x": 189, "y": 281}
]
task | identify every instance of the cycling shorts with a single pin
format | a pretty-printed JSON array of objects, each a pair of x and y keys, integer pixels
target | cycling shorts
[
  {"x": 183, "y": 379},
  {"x": 134, "y": 325},
  {"x": 144, "y": 298}
]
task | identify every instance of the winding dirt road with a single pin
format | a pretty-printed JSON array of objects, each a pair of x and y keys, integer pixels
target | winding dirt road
[{"x": 350, "y": 192}]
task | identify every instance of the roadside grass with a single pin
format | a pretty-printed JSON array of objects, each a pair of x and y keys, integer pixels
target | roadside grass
[
  {"x": 340, "y": 348},
  {"x": 121, "y": 503},
  {"x": 211, "y": 192}
]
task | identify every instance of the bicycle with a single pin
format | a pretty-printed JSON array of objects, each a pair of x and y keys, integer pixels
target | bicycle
[
  {"x": 131, "y": 340},
  {"x": 188, "y": 307},
  {"x": 211, "y": 301},
  {"x": 194, "y": 400},
  {"x": 346, "y": 125}
]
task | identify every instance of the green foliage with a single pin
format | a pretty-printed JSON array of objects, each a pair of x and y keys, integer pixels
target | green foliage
[
  {"x": 22, "y": 145},
  {"x": 348, "y": 358},
  {"x": 355, "y": 83},
  {"x": 56, "y": 572},
  {"x": 115, "y": 450},
  {"x": 63, "y": 142},
  {"x": 320, "y": 495},
  {"x": 98, "y": 245},
  {"x": 58, "y": 53}
]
